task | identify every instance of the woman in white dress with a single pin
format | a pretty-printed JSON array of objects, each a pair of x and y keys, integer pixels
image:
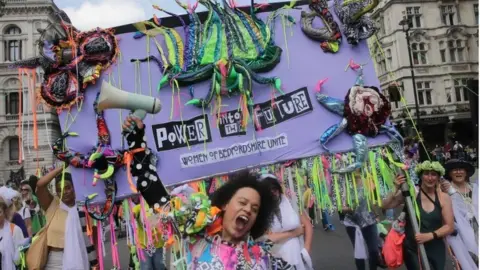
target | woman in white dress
[
  {"x": 287, "y": 229},
  {"x": 464, "y": 194}
]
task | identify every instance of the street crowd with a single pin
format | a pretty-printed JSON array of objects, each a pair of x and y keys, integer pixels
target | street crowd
[{"x": 259, "y": 228}]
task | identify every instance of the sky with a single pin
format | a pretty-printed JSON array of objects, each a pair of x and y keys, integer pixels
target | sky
[{"x": 86, "y": 15}]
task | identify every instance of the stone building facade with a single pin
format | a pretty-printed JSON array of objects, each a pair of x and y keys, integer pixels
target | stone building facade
[
  {"x": 444, "y": 45},
  {"x": 18, "y": 36}
]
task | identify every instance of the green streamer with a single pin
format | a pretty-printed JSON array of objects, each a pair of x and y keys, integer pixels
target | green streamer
[
  {"x": 347, "y": 188},
  {"x": 354, "y": 180},
  {"x": 316, "y": 182},
  {"x": 335, "y": 184},
  {"x": 371, "y": 156},
  {"x": 299, "y": 181},
  {"x": 326, "y": 202},
  {"x": 366, "y": 187},
  {"x": 386, "y": 175}
]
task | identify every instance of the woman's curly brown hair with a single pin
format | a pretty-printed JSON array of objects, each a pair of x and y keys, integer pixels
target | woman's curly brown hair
[{"x": 268, "y": 202}]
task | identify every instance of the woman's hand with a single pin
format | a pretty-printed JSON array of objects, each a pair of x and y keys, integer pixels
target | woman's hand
[
  {"x": 423, "y": 237},
  {"x": 445, "y": 186},
  {"x": 399, "y": 181},
  {"x": 127, "y": 124},
  {"x": 298, "y": 231}
]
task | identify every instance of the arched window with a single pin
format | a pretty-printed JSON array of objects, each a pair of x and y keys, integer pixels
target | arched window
[
  {"x": 13, "y": 148},
  {"x": 12, "y": 44}
]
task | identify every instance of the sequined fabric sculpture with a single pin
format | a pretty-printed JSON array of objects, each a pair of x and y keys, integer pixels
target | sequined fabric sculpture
[
  {"x": 329, "y": 35},
  {"x": 364, "y": 113},
  {"x": 356, "y": 25},
  {"x": 229, "y": 48},
  {"x": 103, "y": 159},
  {"x": 70, "y": 61}
]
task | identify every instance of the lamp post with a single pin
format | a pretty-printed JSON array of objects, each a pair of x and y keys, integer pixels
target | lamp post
[
  {"x": 405, "y": 189},
  {"x": 405, "y": 23}
]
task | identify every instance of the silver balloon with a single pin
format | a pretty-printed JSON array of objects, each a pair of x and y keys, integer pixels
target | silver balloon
[
  {"x": 334, "y": 105},
  {"x": 332, "y": 132}
]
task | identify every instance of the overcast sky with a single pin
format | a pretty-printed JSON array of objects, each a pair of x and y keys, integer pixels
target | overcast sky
[{"x": 109, "y": 13}]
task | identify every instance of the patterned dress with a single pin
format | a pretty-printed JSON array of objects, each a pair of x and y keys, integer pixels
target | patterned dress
[{"x": 208, "y": 254}]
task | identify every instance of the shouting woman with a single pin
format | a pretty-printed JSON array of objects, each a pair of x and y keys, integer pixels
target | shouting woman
[{"x": 247, "y": 207}]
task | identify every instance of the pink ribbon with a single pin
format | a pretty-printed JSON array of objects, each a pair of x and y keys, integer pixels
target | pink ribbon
[
  {"x": 327, "y": 175},
  {"x": 135, "y": 234},
  {"x": 113, "y": 244},
  {"x": 319, "y": 85},
  {"x": 100, "y": 245},
  {"x": 148, "y": 228}
]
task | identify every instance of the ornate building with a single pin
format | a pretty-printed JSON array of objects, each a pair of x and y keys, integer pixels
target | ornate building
[
  {"x": 18, "y": 36},
  {"x": 444, "y": 47}
]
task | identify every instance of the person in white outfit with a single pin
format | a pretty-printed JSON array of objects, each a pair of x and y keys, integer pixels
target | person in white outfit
[
  {"x": 464, "y": 195},
  {"x": 11, "y": 237},
  {"x": 288, "y": 228}
]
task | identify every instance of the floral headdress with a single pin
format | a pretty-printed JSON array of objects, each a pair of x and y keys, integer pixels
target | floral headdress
[{"x": 430, "y": 166}]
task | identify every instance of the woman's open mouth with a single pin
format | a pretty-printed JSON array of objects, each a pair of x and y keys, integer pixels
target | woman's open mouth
[{"x": 241, "y": 222}]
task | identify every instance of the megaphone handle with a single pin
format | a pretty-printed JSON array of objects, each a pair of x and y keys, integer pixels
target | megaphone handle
[{"x": 141, "y": 114}]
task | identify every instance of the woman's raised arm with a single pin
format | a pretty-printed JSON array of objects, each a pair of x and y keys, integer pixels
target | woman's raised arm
[{"x": 44, "y": 196}]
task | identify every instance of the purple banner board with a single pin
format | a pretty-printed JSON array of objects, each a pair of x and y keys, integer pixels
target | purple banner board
[{"x": 218, "y": 146}]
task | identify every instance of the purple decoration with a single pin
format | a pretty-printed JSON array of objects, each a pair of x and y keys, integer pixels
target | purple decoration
[{"x": 308, "y": 64}]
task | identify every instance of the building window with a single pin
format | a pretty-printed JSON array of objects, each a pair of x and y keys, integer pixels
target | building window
[
  {"x": 424, "y": 91},
  {"x": 443, "y": 56},
  {"x": 381, "y": 63},
  {"x": 448, "y": 90},
  {"x": 475, "y": 12},
  {"x": 414, "y": 17},
  {"x": 381, "y": 26},
  {"x": 448, "y": 14},
  {"x": 461, "y": 89},
  {"x": 12, "y": 45},
  {"x": 456, "y": 50},
  {"x": 13, "y": 148},
  {"x": 12, "y": 103},
  {"x": 419, "y": 53},
  {"x": 388, "y": 55}
]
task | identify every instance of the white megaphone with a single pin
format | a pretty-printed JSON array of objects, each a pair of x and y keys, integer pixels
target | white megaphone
[{"x": 113, "y": 98}]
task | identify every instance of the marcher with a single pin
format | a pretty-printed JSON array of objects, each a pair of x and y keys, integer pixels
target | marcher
[
  {"x": 361, "y": 226},
  {"x": 247, "y": 210},
  {"x": 30, "y": 201},
  {"x": 288, "y": 228},
  {"x": 24, "y": 212},
  {"x": 66, "y": 233},
  {"x": 11, "y": 237},
  {"x": 7, "y": 195},
  {"x": 464, "y": 194},
  {"x": 153, "y": 252},
  {"x": 436, "y": 217}
]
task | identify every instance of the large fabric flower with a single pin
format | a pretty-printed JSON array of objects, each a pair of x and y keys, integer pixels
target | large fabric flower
[{"x": 366, "y": 110}]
